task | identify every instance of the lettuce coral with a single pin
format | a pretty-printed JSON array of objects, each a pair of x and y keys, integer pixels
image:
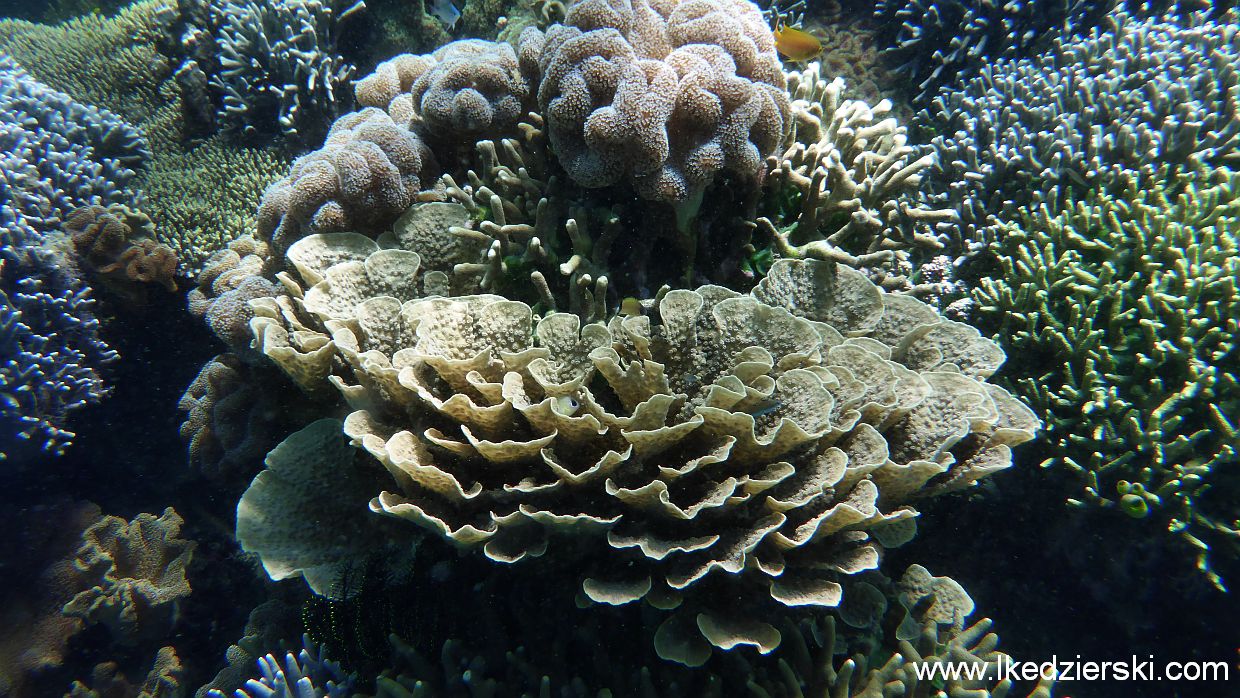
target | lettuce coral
[{"x": 722, "y": 446}]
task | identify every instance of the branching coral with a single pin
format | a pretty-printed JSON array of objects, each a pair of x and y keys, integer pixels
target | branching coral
[
  {"x": 1127, "y": 310},
  {"x": 667, "y": 95},
  {"x": 365, "y": 175},
  {"x": 138, "y": 570},
  {"x": 269, "y": 66},
  {"x": 721, "y": 447},
  {"x": 308, "y": 674},
  {"x": 58, "y": 155},
  {"x": 846, "y": 187},
  {"x": 1134, "y": 96}
]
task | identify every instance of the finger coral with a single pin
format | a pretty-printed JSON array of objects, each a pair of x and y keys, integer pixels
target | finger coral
[
  {"x": 720, "y": 447},
  {"x": 1126, "y": 309},
  {"x": 667, "y": 95},
  {"x": 1134, "y": 96},
  {"x": 365, "y": 175}
]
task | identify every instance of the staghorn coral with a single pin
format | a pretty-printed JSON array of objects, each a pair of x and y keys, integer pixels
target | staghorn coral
[
  {"x": 632, "y": 443},
  {"x": 665, "y": 95},
  {"x": 847, "y": 186},
  {"x": 466, "y": 88},
  {"x": 268, "y": 67},
  {"x": 366, "y": 174},
  {"x": 115, "y": 244},
  {"x": 1125, "y": 306},
  {"x": 138, "y": 571},
  {"x": 1132, "y": 97},
  {"x": 58, "y": 155}
]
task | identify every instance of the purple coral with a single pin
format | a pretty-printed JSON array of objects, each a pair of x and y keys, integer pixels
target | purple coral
[
  {"x": 56, "y": 155},
  {"x": 365, "y": 175},
  {"x": 464, "y": 88},
  {"x": 666, "y": 93}
]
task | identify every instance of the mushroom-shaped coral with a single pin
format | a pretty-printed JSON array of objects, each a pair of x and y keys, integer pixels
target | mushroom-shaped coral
[
  {"x": 666, "y": 94},
  {"x": 138, "y": 569},
  {"x": 115, "y": 243},
  {"x": 466, "y": 87},
  {"x": 367, "y": 172},
  {"x": 722, "y": 447}
]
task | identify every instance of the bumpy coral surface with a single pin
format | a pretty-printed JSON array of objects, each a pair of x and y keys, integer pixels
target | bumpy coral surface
[
  {"x": 115, "y": 243},
  {"x": 138, "y": 571},
  {"x": 664, "y": 94},
  {"x": 721, "y": 447},
  {"x": 365, "y": 175},
  {"x": 465, "y": 88},
  {"x": 1127, "y": 309}
]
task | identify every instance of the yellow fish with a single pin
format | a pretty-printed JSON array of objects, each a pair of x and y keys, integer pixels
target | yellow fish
[{"x": 795, "y": 44}]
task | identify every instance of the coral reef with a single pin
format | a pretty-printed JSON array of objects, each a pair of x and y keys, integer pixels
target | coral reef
[
  {"x": 308, "y": 673},
  {"x": 465, "y": 88},
  {"x": 1133, "y": 96},
  {"x": 939, "y": 43},
  {"x": 115, "y": 245},
  {"x": 36, "y": 581},
  {"x": 229, "y": 280},
  {"x": 268, "y": 66},
  {"x": 137, "y": 571},
  {"x": 847, "y": 186},
  {"x": 58, "y": 155},
  {"x": 272, "y": 514},
  {"x": 1125, "y": 308},
  {"x": 236, "y": 412},
  {"x": 366, "y": 174},
  {"x": 503, "y": 431},
  {"x": 204, "y": 196},
  {"x": 666, "y": 96},
  {"x": 162, "y": 681}
]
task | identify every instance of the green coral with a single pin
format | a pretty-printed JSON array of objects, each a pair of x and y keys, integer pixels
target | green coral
[{"x": 1126, "y": 309}]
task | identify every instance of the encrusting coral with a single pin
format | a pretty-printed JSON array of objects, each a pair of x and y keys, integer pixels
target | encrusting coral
[
  {"x": 138, "y": 573},
  {"x": 1126, "y": 308},
  {"x": 720, "y": 447},
  {"x": 666, "y": 95}
]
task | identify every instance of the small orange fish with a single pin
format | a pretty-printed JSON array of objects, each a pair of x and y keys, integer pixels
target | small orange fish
[{"x": 795, "y": 44}]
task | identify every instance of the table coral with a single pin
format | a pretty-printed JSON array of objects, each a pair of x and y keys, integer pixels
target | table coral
[
  {"x": 1125, "y": 307},
  {"x": 666, "y": 95},
  {"x": 502, "y": 431}
]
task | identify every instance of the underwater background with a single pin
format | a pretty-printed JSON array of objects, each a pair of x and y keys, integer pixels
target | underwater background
[{"x": 617, "y": 347}]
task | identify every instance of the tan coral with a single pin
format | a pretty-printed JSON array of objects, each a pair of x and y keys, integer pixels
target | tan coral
[
  {"x": 721, "y": 446},
  {"x": 138, "y": 568}
]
